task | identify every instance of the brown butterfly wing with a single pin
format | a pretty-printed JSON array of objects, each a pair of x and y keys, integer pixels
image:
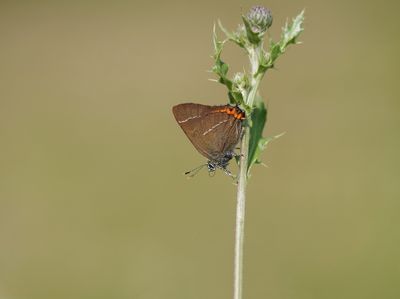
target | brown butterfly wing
[
  {"x": 232, "y": 136},
  {"x": 221, "y": 132},
  {"x": 189, "y": 111},
  {"x": 211, "y": 132}
]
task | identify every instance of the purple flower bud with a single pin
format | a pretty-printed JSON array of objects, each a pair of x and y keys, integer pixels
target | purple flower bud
[{"x": 260, "y": 19}]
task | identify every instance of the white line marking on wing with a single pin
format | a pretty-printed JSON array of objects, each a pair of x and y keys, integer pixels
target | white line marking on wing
[
  {"x": 189, "y": 118},
  {"x": 214, "y": 126}
]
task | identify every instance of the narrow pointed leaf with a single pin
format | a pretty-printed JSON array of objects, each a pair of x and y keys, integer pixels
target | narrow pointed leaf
[
  {"x": 261, "y": 146},
  {"x": 232, "y": 36},
  {"x": 258, "y": 119},
  {"x": 253, "y": 37},
  {"x": 220, "y": 68}
]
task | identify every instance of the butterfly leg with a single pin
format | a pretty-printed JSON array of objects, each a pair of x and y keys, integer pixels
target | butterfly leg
[{"x": 227, "y": 172}]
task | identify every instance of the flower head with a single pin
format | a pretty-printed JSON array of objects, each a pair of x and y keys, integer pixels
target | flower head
[{"x": 260, "y": 19}]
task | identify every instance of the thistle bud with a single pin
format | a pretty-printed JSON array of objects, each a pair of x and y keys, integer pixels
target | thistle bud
[
  {"x": 260, "y": 19},
  {"x": 240, "y": 82}
]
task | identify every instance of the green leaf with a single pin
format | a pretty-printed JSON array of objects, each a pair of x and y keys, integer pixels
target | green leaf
[
  {"x": 252, "y": 36},
  {"x": 289, "y": 35},
  {"x": 262, "y": 144},
  {"x": 258, "y": 119},
  {"x": 235, "y": 37},
  {"x": 263, "y": 62},
  {"x": 235, "y": 98},
  {"x": 220, "y": 68},
  {"x": 218, "y": 45},
  {"x": 275, "y": 51},
  {"x": 292, "y": 31}
]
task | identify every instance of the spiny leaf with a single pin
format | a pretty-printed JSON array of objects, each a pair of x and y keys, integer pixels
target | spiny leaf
[
  {"x": 258, "y": 119},
  {"x": 233, "y": 36},
  {"x": 262, "y": 144},
  {"x": 289, "y": 35},
  {"x": 292, "y": 31},
  {"x": 275, "y": 51},
  {"x": 220, "y": 68},
  {"x": 263, "y": 61},
  {"x": 218, "y": 45}
]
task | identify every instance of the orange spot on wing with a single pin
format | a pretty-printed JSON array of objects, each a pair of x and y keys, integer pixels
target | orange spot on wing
[{"x": 234, "y": 111}]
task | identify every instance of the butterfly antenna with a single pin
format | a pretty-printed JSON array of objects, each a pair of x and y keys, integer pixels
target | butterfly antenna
[{"x": 193, "y": 172}]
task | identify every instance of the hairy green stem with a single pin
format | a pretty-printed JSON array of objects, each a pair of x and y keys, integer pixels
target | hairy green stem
[{"x": 242, "y": 184}]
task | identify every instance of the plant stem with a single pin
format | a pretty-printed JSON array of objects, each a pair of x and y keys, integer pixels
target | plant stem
[
  {"x": 242, "y": 184},
  {"x": 240, "y": 216}
]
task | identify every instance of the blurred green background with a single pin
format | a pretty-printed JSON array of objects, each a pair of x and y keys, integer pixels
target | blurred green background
[{"x": 93, "y": 203}]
